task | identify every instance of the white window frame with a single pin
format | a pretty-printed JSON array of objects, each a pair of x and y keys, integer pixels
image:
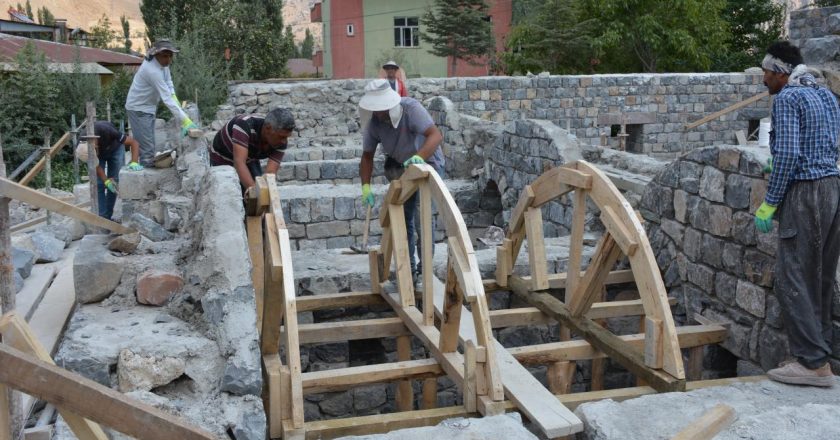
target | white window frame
[
  {"x": 404, "y": 28},
  {"x": 351, "y": 29}
]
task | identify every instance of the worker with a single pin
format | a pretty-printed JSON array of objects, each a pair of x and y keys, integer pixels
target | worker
[
  {"x": 110, "y": 152},
  {"x": 408, "y": 135},
  {"x": 153, "y": 83},
  {"x": 395, "y": 76},
  {"x": 246, "y": 139},
  {"x": 804, "y": 187}
]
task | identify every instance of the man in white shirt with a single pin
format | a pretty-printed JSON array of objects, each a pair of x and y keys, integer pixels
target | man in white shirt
[{"x": 153, "y": 83}]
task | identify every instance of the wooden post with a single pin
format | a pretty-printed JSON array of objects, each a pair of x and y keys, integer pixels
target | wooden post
[
  {"x": 47, "y": 169},
  {"x": 430, "y": 393},
  {"x": 405, "y": 394},
  {"x": 74, "y": 130},
  {"x": 92, "y": 162},
  {"x": 10, "y": 405}
]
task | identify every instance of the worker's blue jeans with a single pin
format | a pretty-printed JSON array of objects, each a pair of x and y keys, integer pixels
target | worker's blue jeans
[
  {"x": 412, "y": 226},
  {"x": 111, "y": 163}
]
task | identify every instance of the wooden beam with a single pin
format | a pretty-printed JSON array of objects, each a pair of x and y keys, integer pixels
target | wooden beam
[
  {"x": 532, "y": 315},
  {"x": 729, "y": 109},
  {"x": 253, "y": 226},
  {"x": 606, "y": 254},
  {"x": 19, "y": 192},
  {"x": 272, "y": 396},
  {"x": 325, "y": 332},
  {"x": 56, "y": 147},
  {"x": 405, "y": 394},
  {"x": 559, "y": 280},
  {"x": 536, "y": 248},
  {"x": 291, "y": 344},
  {"x": 273, "y": 288},
  {"x": 274, "y": 205},
  {"x": 450, "y": 316},
  {"x": 344, "y": 378},
  {"x": 426, "y": 253},
  {"x": 558, "y": 181},
  {"x": 91, "y": 400},
  {"x": 38, "y": 220},
  {"x": 399, "y": 240},
  {"x": 710, "y": 424},
  {"x": 618, "y": 231},
  {"x": 630, "y": 358}
]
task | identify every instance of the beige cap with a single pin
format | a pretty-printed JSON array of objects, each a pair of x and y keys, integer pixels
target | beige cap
[{"x": 82, "y": 152}]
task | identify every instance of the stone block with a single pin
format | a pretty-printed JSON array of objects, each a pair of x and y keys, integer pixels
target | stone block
[
  {"x": 772, "y": 347},
  {"x": 60, "y": 231},
  {"x": 743, "y": 228},
  {"x": 328, "y": 229},
  {"x": 149, "y": 228},
  {"x": 369, "y": 397},
  {"x": 758, "y": 189},
  {"x": 338, "y": 404},
  {"x": 156, "y": 287},
  {"x": 729, "y": 160},
  {"x": 48, "y": 249},
  {"x": 751, "y": 298},
  {"x": 22, "y": 260},
  {"x": 726, "y": 287},
  {"x": 18, "y": 280},
  {"x": 712, "y": 184},
  {"x": 693, "y": 244},
  {"x": 712, "y": 250},
  {"x": 322, "y": 210},
  {"x": 738, "y": 191},
  {"x": 96, "y": 273},
  {"x": 125, "y": 243},
  {"x": 680, "y": 206},
  {"x": 345, "y": 208},
  {"x": 299, "y": 210},
  {"x": 138, "y": 372},
  {"x": 252, "y": 422},
  {"x": 143, "y": 185},
  {"x": 758, "y": 268},
  {"x": 767, "y": 242},
  {"x": 673, "y": 229},
  {"x": 824, "y": 50},
  {"x": 720, "y": 220},
  {"x": 702, "y": 276},
  {"x": 331, "y": 353},
  {"x": 732, "y": 257},
  {"x": 773, "y": 311}
]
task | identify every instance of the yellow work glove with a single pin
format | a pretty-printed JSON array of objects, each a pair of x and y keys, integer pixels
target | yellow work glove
[
  {"x": 413, "y": 159},
  {"x": 769, "y": 167},
  {"x": 134, "y": 166},
  {"x": 111, "y": 185},
  {"x": 186, "y": 125},
  {"x": 175, "y": 97},
  {"x": 367, "y": 195},
  {"x": 764, "y": 217}
]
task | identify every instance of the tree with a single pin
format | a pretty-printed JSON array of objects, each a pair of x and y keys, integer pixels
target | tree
[
  {"x": 290, "y": 36},
  {"x": 126, "y": 33},
  {"x": 101, "y": 34},
  {"x": 45, "y": 16},
  {"x": 753, "y": 25},
  {"x": 29, "y": 10},
  {"x": 459, "y": 29},
  {"x": 172, "y": 18},
  {"x": 554, "y": 37},
  {"x": 307, "y": 48}
]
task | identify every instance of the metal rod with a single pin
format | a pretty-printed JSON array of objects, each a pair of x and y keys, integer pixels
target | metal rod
[
  {"x": 48, "y": 166},
  {"x": 74, "y": 142},
  {"x": 90, "y": 109},
  {"x": 25, "y": 164}
]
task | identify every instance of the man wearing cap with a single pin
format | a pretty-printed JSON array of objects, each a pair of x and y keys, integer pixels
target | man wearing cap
[
  {"x": 805, "y": 188},
  {"x": 153, "y": 83},
  {"x": 407, "y": 134},
  {"x": 110, "y": 152},
  {"x": 246, "y": 139},
  {"x": 395, "y": 77}
]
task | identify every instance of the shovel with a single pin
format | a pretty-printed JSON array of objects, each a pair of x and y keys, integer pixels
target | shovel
[{"x": 363, "y": 249}]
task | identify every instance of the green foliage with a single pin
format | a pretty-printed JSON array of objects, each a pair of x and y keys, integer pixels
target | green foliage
[
  {"x": 171, "y": 18},
  {"x": 126, "y": 29},
  {"x": 753, "y": 26},
  {"x": 101, "y": 34},
  {"x": 116, "y": 92},
  {"x": 61, "y": 171},
  {"x": 29, "y": 9},
  {"x": 45, "y": 16},
  {"x": 307, "y": 47},
  {"x": 523, "y": 10},
  {"x": 77, "y": 88},
  {"x": 556, "y": 38},
  {"x": 825, "y": 3},
  {"x": 290, "y": 36},
  {"x": 460, "y": 29},
  {"x": 196, "y": 72}
]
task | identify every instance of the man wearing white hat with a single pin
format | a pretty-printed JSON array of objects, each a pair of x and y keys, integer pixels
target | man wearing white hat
[
  {"x": 151, "y": 84},
  {"x": 395, "y": 76},
  {"x": 407, "y": 134}
]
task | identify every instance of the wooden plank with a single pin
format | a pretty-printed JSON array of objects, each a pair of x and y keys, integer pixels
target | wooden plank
[
  {"x": 710, "y": 424},
  {"x": 576, "y": 243},
  {"x": 263, "y": 197},
  {"x": 536, "y": 249},
  {"x": 15, "y": 191},
  {"x": 405, "y": 394},
  {"x": 23, "y": 226},
  {"x": 503, "y": 268},
  {"x": 450, "y": 321},
  {"x": 54, "y": 149},
  {"x": 5, "y": 414},
  {"x": 53, "y": 312},
  {"x": 273, "y": 289},
  {"x": 376, "y": 275},
  {"x": 619, "y": 233},
  {"x": 34, "y": 289},
  {"x": 429, "y": 394},
  {"x": 694, "y": 368},
  {"x": 520, "y": 386},
  {"x": 558, "y": 181},
  {"x": 470, "y": 386},
  {"x": 401, "y": 258},
  {"x": 272, "y": 401},
  {"x": 274, "y": 205},
  {"x": 517, "y": 216},
  {"x": 39, "y": 433},
  {"x": 606, "y": 254},
  {"x": 290, "y": 335},
  {"x": 329, "y": 301},
  {"x": 344, "y": 378},
  {"x": 89, "y": 399},
  {"x": 729, "y": 109},
  {"x": 253, "y": 227},
  {"x": 386, "y": 250},
  {"x": 325, "y": 332},
  {"x": 653, "y": 342},
  {"x": 601, "y": 338},
  {"x": 426, "y": 250},
  {"x": 581, "y": 350},
  {"x": 741, "y": 137},
  {"x": 558, "y": 280}
]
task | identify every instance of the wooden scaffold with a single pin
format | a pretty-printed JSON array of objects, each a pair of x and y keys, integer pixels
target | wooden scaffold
[{"x": 492, "y": 379}]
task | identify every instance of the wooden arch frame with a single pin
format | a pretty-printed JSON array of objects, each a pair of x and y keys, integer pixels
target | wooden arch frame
[{"x": 661, "y": 362}]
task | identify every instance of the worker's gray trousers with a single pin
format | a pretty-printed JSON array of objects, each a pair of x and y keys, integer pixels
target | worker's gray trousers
[
  {"x": 806, "y": 266},
  {"x": 143, "y": 129}
]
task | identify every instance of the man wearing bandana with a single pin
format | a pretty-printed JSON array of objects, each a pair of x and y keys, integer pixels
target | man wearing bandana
[
  {"x": 408, "y": 135},
  {"x": 804, "y": 187}
]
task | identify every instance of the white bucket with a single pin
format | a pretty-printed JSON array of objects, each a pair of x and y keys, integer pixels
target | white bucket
[{"x": 764, "y": 133}]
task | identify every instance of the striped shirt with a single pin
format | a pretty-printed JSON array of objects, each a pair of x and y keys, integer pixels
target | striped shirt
[
  {"x": 806, "y": 124},
  {"x": 243, "y": 130}
]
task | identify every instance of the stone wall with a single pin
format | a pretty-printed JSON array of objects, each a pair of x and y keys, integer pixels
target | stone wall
[
  {"x": 656, "y": 106},
  {"x": 700, "y": 224},
  {"x": 813, "y": 23}
]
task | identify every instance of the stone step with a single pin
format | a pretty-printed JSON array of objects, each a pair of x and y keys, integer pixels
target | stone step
[
  {"x": 336, "y": 171},
  {"x": 331, "y": 216},
  {"x": 294, "y": 154}
]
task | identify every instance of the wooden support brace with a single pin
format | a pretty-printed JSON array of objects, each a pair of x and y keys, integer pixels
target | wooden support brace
[
  {"x": 599, "y": 268},
  {"x": 255, "y": 249},
  {"x": 427, "y": 252},
  {"x": 399, "y": 239},
  {"x": 405, "y": 394},
  {"x": 274, "y": 201},
  {"x": 451, "y": 317},
  {"x": 536, "y": 248},
  {"x": 273, "y": 289},
  {"x": 710, "y": 424},
  {"x": 470, "y": 390},
  {"x": 503, "y": 266},
  {"x": 429, "y": 393},
  {"x": 653, "y": 342},
  {"x": 618, "y": 231},
  {"x": 272, "y": 394},
  {"x": 343, "y": 378}
]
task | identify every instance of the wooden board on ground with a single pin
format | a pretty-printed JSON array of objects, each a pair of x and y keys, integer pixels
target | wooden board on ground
[
  {"x": 553, "y": 419},
  {"x": 709, "y": 424},
  {"x": 34, "y": 288}
]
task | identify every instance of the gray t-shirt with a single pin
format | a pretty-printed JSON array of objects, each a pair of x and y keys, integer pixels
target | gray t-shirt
[{"x": 402, "y": 142}]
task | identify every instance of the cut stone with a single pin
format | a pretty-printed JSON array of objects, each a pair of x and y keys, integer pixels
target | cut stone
[
  {"x": 96, "y": 273},
  {"x": 139, "y": 372},
  {"x": 125, "y": 243},
  {"x": 156, "y": 287}
]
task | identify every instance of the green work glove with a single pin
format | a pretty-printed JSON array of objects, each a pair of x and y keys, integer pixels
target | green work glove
[
  {"x": 134, "y": 166},
  {"x": 186, "y": 125},
  {"x": 769, "y": 167},
  {"x": 764, "y": 217},
  {"x": 111, "y": 185},
  {"x": 175, "y": 97},
  {"x": 367, "y": 195},
  {"x": 413, "y": 159}
]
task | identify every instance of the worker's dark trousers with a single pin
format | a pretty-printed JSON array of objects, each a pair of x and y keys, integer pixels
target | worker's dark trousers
[{"x": 806, "y": 266}]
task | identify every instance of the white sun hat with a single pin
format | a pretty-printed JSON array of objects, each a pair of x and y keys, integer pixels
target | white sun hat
[
  {"x": 380, "y": 97},
  {"x": 82, "y": 152}
]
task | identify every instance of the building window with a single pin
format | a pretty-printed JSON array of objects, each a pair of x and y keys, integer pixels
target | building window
[
  {"x": 351, "y": 30},
  {"x": 406, "y": 32}
]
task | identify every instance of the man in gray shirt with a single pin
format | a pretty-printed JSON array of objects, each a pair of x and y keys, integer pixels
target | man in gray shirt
[{"x": 407, "y": 134}]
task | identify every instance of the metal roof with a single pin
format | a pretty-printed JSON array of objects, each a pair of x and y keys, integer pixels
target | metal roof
[
  {"x": 62, "y": 68},
  {"x": 10, "y": 45}
]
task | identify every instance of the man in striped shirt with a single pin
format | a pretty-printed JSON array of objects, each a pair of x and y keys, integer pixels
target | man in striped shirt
[
  {"x": 805, "y": 187},
  {"x": 247, "y": 139}
]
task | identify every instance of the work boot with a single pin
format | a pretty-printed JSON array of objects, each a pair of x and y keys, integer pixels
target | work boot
[{"x": 797, "y": 374}]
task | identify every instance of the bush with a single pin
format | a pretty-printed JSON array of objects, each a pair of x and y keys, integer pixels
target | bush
[
  {"x": 196, "y": 73},
  {"x": 62, "y": 173}
]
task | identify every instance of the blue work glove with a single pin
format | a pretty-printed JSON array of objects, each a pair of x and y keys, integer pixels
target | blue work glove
[
  {"x": 111, "y": 185},
  {"x": 367, "y": 195},
  {"x": 413, "y": 159},
  {"x": 769, "y": 167},
  {"x": 186, "y": 125},
  {"x": 764, "y": 217},
  {"x": 134, "y": 166}
]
